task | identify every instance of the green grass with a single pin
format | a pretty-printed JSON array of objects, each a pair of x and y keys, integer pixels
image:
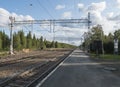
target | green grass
[
  {"x": 106, "y": 56},
  {"x": 3, "y": 53}
]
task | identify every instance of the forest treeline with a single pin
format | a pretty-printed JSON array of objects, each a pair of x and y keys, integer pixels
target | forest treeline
[{"x": 22, "y": 41}]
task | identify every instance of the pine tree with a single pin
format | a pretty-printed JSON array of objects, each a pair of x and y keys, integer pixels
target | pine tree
[
  {"x": 48, "y": 44},
  {"x": 5, "y": 41},
  {"x": 41, "y": 43},
  {"x": 53, "y": 44},
  {"x": 22, "y": 39},
  {"x": 37, "y": 43},
  {"x": 34, "y": 42},
  {"x": 56, "y": 44},
  {"x": 0, "y": 40},
  {"x": 29, "y": 40},
  {"x": 16, "y": 41}
]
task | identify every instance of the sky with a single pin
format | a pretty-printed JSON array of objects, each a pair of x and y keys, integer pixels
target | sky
[{"x": 103, "y": 12}]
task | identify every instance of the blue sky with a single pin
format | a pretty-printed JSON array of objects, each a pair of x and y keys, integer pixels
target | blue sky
[
  {"x": 45, "y": 8},
  {"x": 104, "y": 12}
]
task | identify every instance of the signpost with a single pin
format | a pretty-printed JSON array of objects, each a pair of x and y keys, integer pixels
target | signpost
[{"x": 115, "y": 46}]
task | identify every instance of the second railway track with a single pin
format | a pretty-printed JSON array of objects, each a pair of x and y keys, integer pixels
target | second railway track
[{"x": 30, "y": 77}]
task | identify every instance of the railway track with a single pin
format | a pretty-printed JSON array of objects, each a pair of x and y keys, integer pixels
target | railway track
[
  {"x": 14, "y": 61},
  {"x": 32, "y": 76},
  {"x": 10, "y": 62},
  {"x": 22, "y": 78}
]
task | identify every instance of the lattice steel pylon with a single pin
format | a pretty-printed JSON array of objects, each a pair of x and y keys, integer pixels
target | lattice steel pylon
[{"x": 51, "y": 22}]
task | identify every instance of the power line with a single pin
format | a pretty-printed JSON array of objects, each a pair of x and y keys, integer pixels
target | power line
[
  {"x": 51, "y": 5},
  {"x": 44, "y": 9},
  {"x": 74, "y": 4}
]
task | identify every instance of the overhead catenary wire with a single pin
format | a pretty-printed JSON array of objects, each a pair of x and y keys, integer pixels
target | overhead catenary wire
[
  {"x": 74, "y": 4},
  {"x": 51, "y": 5},
  {"x": 45, "y": 8}
]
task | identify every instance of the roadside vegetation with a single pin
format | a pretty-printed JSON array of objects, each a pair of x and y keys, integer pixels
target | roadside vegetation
[
  {"x": 106, "y": 56},
  {"x": 97, "y": 43}
]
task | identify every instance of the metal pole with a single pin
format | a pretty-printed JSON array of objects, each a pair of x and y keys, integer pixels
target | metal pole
[
  {"x": 11, "y": 35},
  {"x": 102, "y": 43},
  {"x": 81, "y": 44},
  {"x": 89, "y": 20},
  {"x": 89, "y": 31},
  {"x": 102, "y": 40},
  {"x": 53, "y": 34}
]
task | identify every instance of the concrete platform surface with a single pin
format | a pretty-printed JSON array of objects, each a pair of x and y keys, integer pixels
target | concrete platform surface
[{"x": 79, "y": 71}]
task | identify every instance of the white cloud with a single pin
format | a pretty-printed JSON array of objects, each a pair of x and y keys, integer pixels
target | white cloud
[
  {"x": 80, "y": 6},
  {"x": 118, "y": 3},
  {"x": 69, "y": 35},
  {"x": 108, "y": 22},
  {"x": 109, "y": 15},
  {"x": 64, "y": 34},
  {"x": 115, "y": 18},
  {"x": 67, "y": 15},
  {"x": 96, "y": 10},
  {"x": 96, "y": 17},
  {"x": 97, "y": 7},
  {"x": 21, "y": 17},
  {"x": 108, "y": 26},
  {"x": 59, "y": 7},
  {"x": 4, "y": 17}
]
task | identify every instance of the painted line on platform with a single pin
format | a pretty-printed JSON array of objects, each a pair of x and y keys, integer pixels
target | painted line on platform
[{"x": 53, "y": 71}]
